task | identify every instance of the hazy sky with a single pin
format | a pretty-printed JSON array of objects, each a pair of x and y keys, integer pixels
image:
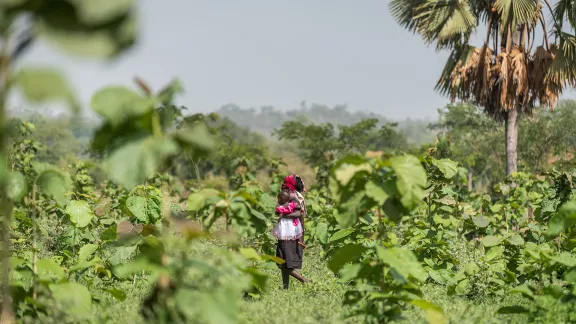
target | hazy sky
[{"x": 263, "y": 52}]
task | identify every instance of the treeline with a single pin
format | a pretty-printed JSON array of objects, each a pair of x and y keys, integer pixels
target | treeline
[
  {"x": 306, "y": 141},
  {"x": 266, "y": 119}
]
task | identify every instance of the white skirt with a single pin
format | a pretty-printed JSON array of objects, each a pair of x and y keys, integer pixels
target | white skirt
[{"x": 285, "y": 230}]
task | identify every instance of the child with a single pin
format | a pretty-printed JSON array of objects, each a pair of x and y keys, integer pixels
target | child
[{"x": 287, "y": 228}]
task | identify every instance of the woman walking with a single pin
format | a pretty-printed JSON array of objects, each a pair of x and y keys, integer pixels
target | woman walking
[{"x": 290, "y": 231}]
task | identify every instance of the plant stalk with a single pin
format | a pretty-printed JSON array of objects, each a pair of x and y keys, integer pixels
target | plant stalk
[{"x": 34, "y": 244}]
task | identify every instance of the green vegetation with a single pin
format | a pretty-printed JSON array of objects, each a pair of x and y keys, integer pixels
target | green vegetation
[{"x": 157, "y": 216}]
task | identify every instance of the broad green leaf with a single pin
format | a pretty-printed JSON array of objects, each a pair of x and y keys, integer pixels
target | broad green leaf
[
  {"x": 448, "y": 167},
  {"x": 565, "y": 218},
  {"x": 86, "y": 251},
  {"x": 48, "y": 265},
  {"x": 249, "y": 253},
  {"x": 74, "y": 298},
  {"x": 516, "y": 239},
  {"x": 434, "y": 313},
  {"x": 44, "y": 84},
  {"x": 512, "y": 310},
  {"x": 16, "y": 186},
  {"x": 118, "y": 104},
  {"x": 410, "y": 179},
  {"x": 102, "y": 11},
  {"x": 375, "y": 192},
  {"x": 496, "y": 208},
  {"x": 480, "y": 221},
  {"x": 80, "y": 213},
  {"x": 346, "y": 172},
  {"x": 197, "y": 138},
  {"x": 565, "y": 258},
  {"x": 322, "y": 232},
  {"x": 196, "y": 201},
  {"x": 106, "y": 40},
  {"x": 344, "y": 255},
  {"x": 403, "y": 261},
  {"x": 122, "y": 254},
  {"x": 490, "y": 240},
  {"x": 340, "y": 234},
  {"x": 135, "y": 161},
  {"x": 53, "y": 182},
  {"x": 138, "y": 207},
  {"x": 118, "y": 294},
  {"x": 524, "y": 290},
  {"x": 462, "y": 287},
  {"x": 494, "y": 253},
  {"x": 272, "y": 258}
]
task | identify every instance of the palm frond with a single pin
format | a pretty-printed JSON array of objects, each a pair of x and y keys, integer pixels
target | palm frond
[
  {"x": 517, "y": 12},
  {"x": 440, "y": 22}
]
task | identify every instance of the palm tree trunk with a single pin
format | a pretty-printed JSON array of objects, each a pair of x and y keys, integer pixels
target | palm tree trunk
[{"x": 511, "y": 141}]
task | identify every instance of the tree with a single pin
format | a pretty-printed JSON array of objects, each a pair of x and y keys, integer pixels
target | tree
[
  {"x": 470, "y": 138},
  {"x": 505, "y": 81}
]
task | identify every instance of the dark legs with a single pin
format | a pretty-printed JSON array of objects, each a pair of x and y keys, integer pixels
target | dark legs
[{"x": 286, "y": 273}]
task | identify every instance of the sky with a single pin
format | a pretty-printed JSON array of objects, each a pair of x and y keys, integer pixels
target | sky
[{"x": 261, "y": 52}]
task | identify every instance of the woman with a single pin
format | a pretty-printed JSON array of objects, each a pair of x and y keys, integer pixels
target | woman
[{"x": 291, "y": 247}]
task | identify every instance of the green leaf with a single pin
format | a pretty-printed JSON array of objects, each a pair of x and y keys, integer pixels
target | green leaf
[
  {"x": 494, "y": 253},
  {"x": 197, "y": 138},
  {"x": 53, "y": 182},
  {"x": 102, "y": 11},
  {"x": 80, "y": 213},
  {"x": 480, "y": 221},
  {"x": 565, "y": 258},
  {"x": 122, "y": 254},
  {"x": 403, "y": 261},
  {"x": 58, "y": 22},
  {"x": 16, "y": 186},
  {"x": 197, "y": 200},
  {"x": 346, "y": 172},
  {"x": 340, "y": 234},
  {"x": 250, "y": 253},
  {"x": 49, "y": 266},
  {"x": 448, "y": 167},
  {"x": 434, "y": 313},
  {"x": 74, "y": 298},
  {"x": 118, "y": 294},
  {"x": 118, "y": 104},
  {"x": 524, "y": 290},
  {"x": 375, "y": 192},
  {"x": 344, "y": 255},
  {"x": 86, "y": 251},
  {"x": 322, "y": 232},
  {"x": 490, "y": 240},
  {"x": 410, "y": 179},
  {"x": 565, "y": 218},
  {"x": 135, "y": 161},
  {"x": 272, "y": 258},
  {"x": 512, "y": 310},
  {"x": 516, "y": 239},
  {"x": 44, "y": 84},
  {"x": 137, "y": 206}
]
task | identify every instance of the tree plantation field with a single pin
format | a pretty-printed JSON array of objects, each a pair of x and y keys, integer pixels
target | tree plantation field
[{"x": 155, "y": 214}]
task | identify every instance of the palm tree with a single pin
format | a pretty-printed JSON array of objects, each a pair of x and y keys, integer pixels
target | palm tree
[{"x": 509, "y": 74}]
